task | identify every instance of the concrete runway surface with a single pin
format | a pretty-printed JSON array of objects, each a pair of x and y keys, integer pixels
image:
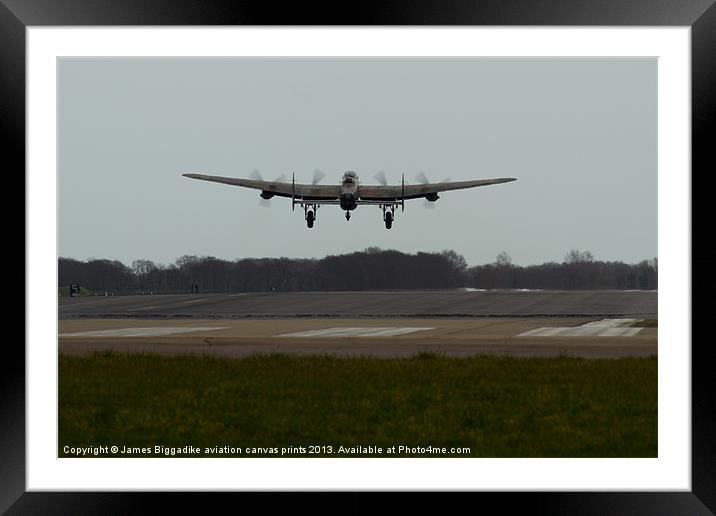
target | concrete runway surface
[
  {"x": 430, "y": 303},
  {"x": 380, "y": 337}
]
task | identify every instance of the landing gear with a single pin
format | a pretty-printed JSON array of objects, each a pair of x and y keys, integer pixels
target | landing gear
[
  {"x": 348, "y": 215},
  {"x": 310, "y": 211},
  {"x": 388, "y": 214}
]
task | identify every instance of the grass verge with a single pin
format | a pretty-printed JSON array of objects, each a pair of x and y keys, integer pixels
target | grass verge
[
  {"x": 265, "y": 404},
  {"x": 646, "y": 323}
]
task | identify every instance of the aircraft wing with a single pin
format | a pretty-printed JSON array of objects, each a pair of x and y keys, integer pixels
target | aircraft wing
[
  {"x": 281, "y": 189},
  {"x": 377, "y": 193}
]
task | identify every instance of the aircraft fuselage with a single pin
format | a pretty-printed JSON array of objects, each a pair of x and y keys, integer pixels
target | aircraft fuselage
[{"x": 349, "y": 191}]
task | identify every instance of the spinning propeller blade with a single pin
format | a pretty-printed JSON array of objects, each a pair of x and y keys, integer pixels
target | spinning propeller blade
[
  {"x": 318, "y": 175},
  {"x": 381, "y": 178}
]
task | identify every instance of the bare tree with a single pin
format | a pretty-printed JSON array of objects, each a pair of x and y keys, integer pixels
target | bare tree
[
  {"x": 575, "y": 256},
  {"x": 504, "y": 259}
]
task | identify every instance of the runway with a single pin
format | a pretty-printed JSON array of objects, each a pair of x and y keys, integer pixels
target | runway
[
  {"x": 382, "y": 337},
  {"x": 379, "y": 323},
  {"x": 459, "y": 303}
]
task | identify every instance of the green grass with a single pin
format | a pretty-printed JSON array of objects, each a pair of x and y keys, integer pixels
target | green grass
[{"x": 496, "y": 406}]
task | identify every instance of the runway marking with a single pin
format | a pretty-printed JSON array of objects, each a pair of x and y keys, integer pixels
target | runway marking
[
  {"x": 603, "y": 328},
  {"x": 142, "y": 308},
  {"x": 357, "y": 332},
  {"x": 139, "y": 332},
  {"x": 193, "y": 300}
]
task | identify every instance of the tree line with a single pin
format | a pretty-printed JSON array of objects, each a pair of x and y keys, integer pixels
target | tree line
[
  {"x": 370, "y": 269},
  {"x": 578, "y": 271}
]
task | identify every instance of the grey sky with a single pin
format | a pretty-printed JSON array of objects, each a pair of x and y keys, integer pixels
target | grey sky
[{"x": 580, "y": 135}]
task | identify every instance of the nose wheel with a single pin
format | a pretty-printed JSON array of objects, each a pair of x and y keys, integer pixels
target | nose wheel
[{"x": 348, "y": 215}]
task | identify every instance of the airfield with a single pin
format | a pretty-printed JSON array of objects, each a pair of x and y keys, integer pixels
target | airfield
[{"x": 461, "y": 322}]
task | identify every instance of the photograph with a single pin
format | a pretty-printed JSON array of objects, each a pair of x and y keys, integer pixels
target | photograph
[
  {"x": 376, "y": 257},
  {"x": 418, "y": 252}
]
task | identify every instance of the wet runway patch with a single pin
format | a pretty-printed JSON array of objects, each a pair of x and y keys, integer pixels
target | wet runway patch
[
  {"x": 357, "y": 332},
  {"x": 140, "y": 332},
  {"x": 603, "y": 328}
]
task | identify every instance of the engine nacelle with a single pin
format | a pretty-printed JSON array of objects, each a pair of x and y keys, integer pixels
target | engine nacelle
[
  {"x": 266, "y": 195},
  {"x": 432, "y": 197}
]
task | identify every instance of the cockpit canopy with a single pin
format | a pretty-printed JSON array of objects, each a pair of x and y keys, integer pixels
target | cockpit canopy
[{"x": 350, "y": 177}]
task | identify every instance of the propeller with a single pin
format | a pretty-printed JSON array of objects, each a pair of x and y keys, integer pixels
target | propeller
[
  {"x": 318, "y": 175},
  {"x": 255, "y": 174},
  {"x": 422, "y": 178},
  {"x": 381, "y": 178}
]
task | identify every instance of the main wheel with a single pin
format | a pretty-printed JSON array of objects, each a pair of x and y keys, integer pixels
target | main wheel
[
  {"x": 388, "y": 220},
  {"x": 310, "y": 217}
]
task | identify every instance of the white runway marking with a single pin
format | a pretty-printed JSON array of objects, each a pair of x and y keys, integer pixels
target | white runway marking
[
  {"x": 603, "y": 328},
  {"x": 193, "y": 300},
  {"x": 139, "y": 332},
  {"x": 142, "y": 308},
  {"x": 356, "y": 332},
  {"x": 610, "y": 323}
]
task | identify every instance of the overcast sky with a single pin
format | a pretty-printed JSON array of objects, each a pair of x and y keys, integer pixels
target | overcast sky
[{"x": 580, "y": 135}]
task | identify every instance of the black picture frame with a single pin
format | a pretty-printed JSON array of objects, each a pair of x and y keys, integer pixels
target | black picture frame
[{"x": 700, "y": 15}]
